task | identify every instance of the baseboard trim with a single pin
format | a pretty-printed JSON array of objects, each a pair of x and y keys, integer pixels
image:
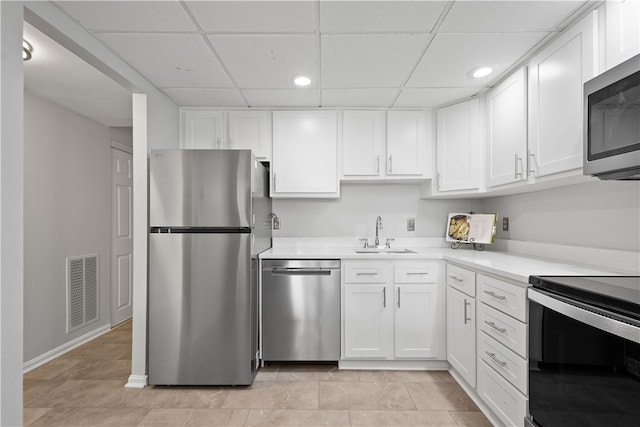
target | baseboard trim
[
  {"x": 414, "y": 365},
  {"x": 137, "y": 381},
  {"x": 64, "y": 348}
]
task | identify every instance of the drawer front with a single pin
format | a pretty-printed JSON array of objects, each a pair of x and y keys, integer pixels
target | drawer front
[
  {"x": 512, "y": 367},
  {"x": 368, "y": 272},
  {"x": 506, "y": 297},
  {"x": 501, "y": 397},
  {"x": 507, "y": 330},
  {"x": 416, "y": 272},
  {"x": 462, "y": 279}
]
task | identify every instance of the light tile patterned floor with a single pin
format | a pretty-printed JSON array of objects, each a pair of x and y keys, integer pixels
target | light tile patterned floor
[{"x": 85, "y": 387}]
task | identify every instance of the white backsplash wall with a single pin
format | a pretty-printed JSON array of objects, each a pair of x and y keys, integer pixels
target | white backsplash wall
[
  {"x": 599, "y": 214},
  {"x": 354, "y": 213}
]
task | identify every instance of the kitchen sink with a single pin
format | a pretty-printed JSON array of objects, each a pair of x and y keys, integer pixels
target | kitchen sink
[{"x": 384, "y": 251}]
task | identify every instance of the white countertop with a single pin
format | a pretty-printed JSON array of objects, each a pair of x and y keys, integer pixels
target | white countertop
[{"x": 513, "y": 266}]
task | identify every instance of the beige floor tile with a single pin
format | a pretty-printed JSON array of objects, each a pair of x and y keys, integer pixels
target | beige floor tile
[
  {"x": 402, "y": 376},
  {"x": 274, "y": 395},
  {"x": 89, "y": 369},
  {"x": 98, "y": 351},
  {"x": 179, "y": 397},
  {"x": 91, "y": 417},
  {"x": 87, "y": 394},
  {"x": 318, "y": 373},
  {"x": 194, "y": 418},
  {"x": 283, "y": 417},
  {"x": 470, "y": 419},
  {"x": 30, "y": 415},
  {"x": 33, "y": 390},
  {"x": 440, "y": 397},
  {"x": 361, "y": 395},
  {"x": 401, "y": 418},
  {"x": 56, "y": 368}
]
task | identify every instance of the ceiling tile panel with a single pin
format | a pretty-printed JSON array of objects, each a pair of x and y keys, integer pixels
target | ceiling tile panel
[
  {"x": 170, "y": 60},
  {"x": 451, "y": 57},
  {"x": 138, "y": 16},
  {"x": 206, "y": 97},
  {"x": 254, "y": 16},
  {"x": 263, "y": 62},
  {"x": 507, "y": 16},
  {"x": 431, "y": 97},
  {"x": 369, "y": 61},
  {"x": 370, "y": 98},
  {"x": 379, "y": 16},
  {"x": 284, "y": 98}
]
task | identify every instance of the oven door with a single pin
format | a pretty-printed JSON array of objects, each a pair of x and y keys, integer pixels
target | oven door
[{"x": 584, "y": 368}]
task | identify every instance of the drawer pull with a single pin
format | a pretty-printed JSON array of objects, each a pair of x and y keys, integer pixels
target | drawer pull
[
  {"x": 495, "y": 359},
  {"x": 367, "y": 274},
  {"x": 493, "y": 294},
  {"x": 417, "y": 273},
  {"x": 456, "y": 279},
  {"x": 384, "y": 297},
  {"x": 496, "y": 327},
  {"x": 398, "y": 297}
]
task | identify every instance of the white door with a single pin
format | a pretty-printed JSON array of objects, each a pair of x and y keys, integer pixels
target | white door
[
  {"x": 362, "y": 140},
  {"x": 461, "y": 334},
  {"x": 368, "y": 321},
  {"x": 416, "y": 320},
  {"x": 405, "y": 142},
  {"x": 121, "y": 236}
]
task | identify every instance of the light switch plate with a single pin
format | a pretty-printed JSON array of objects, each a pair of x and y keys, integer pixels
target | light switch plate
[{"x": 411, "y": 224}]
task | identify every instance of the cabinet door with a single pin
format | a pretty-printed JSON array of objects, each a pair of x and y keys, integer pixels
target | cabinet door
[
  {"x": 305, "y": 148},
  {"x": 458, "y": 146},
  {"x": 556, "y": 77},
  {"x": 507, "y": 114},
  {"x": 250, "y": 130},
  {"x": 368, "y": 321},
  {"x": 416, "y": 320},
  {"x": 461, "y": 334},
  {"x": 405, "y": 143},
  {"x": 202, "y": 129},
  {"x": 622, "y": 31},
  {"x": 362, "y": 140}
]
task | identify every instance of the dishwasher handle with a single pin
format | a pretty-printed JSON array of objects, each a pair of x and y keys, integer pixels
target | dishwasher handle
[{"x": 300, "y": 272}]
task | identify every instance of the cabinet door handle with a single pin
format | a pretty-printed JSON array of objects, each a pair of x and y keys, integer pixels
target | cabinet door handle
[
  {"x": 384, "y": 297},
  {"x": 378, "y": 165},
  {"x": 495, "y": 358},
  {"x": 390, "y": 163},
  {"x": 466, "y": 319},
  {"x": 493, "y": 294},
  {"x": 532, "y": 162},
  {"x": 218, "y": 142},
  {"x": 456, "y": 279},
  {"x": 496, "y": 327},
  {"x": 518, "y": 160},
  {"x": 398, "y": 297}
]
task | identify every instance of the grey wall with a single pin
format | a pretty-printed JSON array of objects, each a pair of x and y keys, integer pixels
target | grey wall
[
  {"x": 355, "y": 212},
  {"x": 66, "y": 213},
  {"x": 601, "y": 214}
]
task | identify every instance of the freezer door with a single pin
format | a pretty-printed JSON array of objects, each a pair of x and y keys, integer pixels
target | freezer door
[
  {"x": 200, "y": 188},
  {"x": 202, "y": 305}
]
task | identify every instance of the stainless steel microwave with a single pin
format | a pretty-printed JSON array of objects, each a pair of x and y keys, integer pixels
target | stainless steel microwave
[{"x": 612, "y": 122}]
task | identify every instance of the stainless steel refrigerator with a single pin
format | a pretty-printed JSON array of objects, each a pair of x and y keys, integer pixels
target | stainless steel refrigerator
[{"x": 209, "y": 217}]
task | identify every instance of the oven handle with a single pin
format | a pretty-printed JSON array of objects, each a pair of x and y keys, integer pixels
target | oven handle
[{"x": 599, "y": 321}]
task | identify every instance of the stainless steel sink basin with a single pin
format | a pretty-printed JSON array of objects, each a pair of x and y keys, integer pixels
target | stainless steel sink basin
[{"x": 384, "y": 251}]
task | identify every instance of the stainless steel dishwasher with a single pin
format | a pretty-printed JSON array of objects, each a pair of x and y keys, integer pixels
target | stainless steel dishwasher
[{"x": 301, "y": 310}]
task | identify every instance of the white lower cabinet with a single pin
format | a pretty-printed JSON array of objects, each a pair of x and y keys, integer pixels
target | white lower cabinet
[
  {"x": 501, "y": 397},
  {"x": 387, "y": 318}
]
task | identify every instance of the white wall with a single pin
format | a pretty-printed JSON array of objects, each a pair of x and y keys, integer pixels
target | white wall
[
  {"x": 66, "y": 214},
  {"x": 354, "y": 213},
  {"x": 604, "y": 214}
]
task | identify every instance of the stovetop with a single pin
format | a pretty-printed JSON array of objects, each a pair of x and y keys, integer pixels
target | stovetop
[{"x": 618, "y": 294}]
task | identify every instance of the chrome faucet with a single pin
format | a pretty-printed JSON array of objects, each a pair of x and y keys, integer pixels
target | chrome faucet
[{"x": 378, "y": 227}]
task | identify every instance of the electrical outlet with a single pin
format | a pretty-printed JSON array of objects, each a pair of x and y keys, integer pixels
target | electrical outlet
[
  {"x": 411, "y": 224},
  {"x": 505, "y": 223},
  {"x": 276, "y": 223}
]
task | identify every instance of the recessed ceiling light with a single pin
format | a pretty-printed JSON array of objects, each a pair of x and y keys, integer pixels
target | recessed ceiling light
[
  {"x": 26, "y": 50},
  {"x": 482, "y": 72},
  {"x": 301, "y": 80}
]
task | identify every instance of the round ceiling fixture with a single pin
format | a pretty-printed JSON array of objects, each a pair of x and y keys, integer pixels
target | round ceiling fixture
[
  {"x": 26, "y": 50},
  {"x": 478, "y": 73},
  {"x": 301, "y": 81}
]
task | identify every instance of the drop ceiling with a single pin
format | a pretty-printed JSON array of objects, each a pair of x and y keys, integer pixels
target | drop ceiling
[{"x": 358, "y": 54}]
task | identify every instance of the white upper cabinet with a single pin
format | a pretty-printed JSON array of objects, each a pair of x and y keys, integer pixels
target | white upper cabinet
[
  {"x": 507, "y": 130},
  {"x": 202, "y": 129},
  {"x": 622, "y": 31},
  {"x": 363, "y": 144},
  {"x": 556, "y": 76},
  {"x": 250, "y": 130},
  {"x": 406, "y": 153},
  {"x": 305, "y": 154},
  {"x": 458, "y": 146}
]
